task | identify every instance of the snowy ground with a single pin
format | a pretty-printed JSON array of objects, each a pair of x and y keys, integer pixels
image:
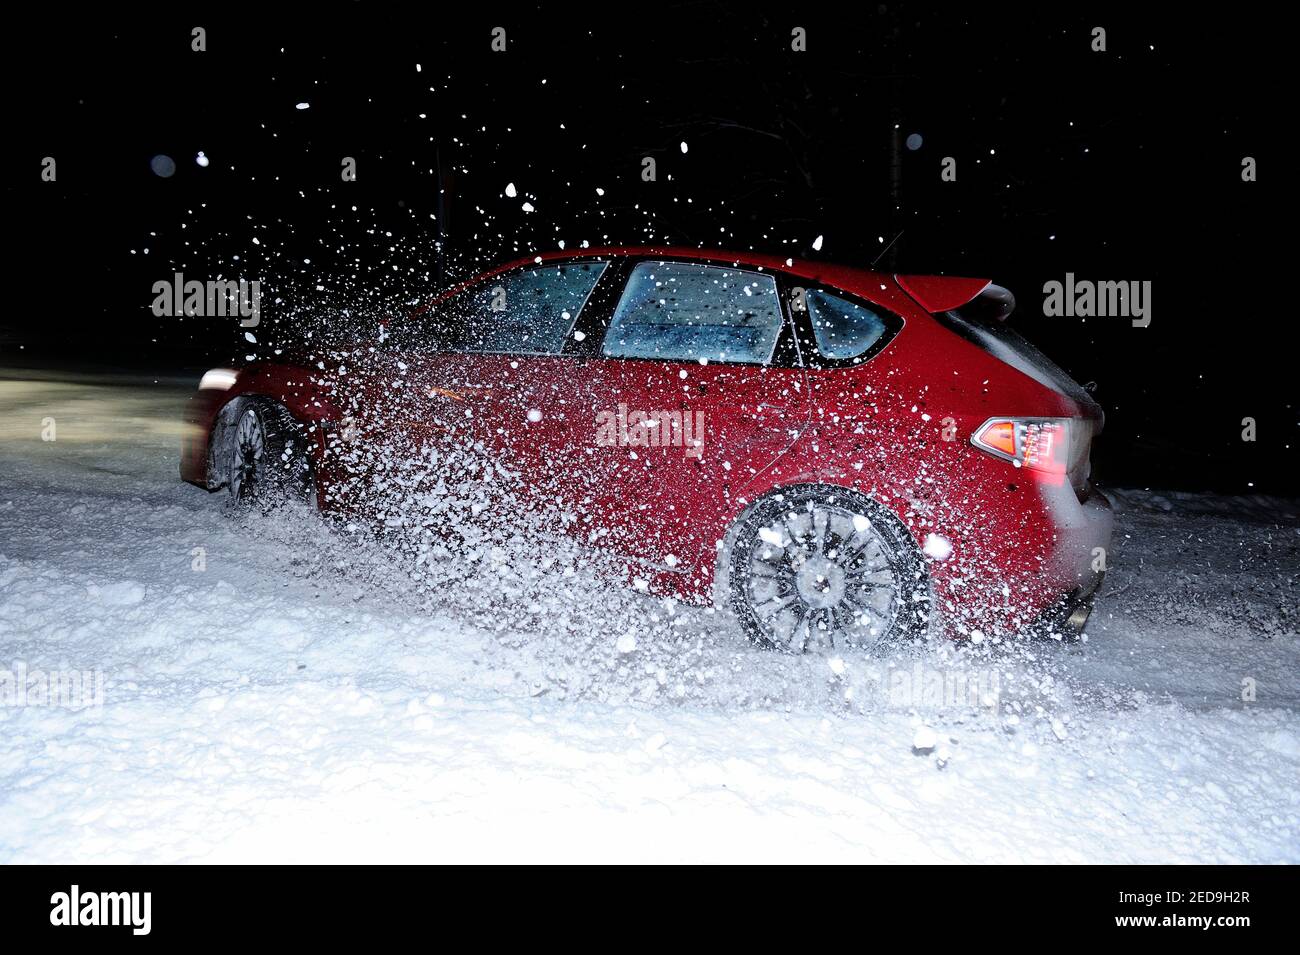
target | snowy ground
[{"x": 300, "y": 699}]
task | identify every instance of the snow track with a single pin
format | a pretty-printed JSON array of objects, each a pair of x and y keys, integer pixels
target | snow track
[{"x": 301, "y": 698}]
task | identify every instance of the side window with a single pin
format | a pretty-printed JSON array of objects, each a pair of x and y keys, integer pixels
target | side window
[
  {"x": 529, "y": 312},
  {"x": 683, "y": 311},
  {"x": 842, "y": 328}
]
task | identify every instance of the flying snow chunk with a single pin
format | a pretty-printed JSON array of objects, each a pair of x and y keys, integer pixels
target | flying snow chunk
[
  {"x": 837, "y": 665},
  {"x": 769, "y": 536},
  {"x": 511, "y": 191},
  {"x": 303, "y": 106},
  {"x": 201, "y": 159},
  {"x": 600, "y": 191},
  {"x": 534, "y": 415},
  {"x": 861, "y": 524},
  {"x": 925, "y": 740},
  {"x": 817, "y": 244},
  {"x": 683, "y": 148},
  {"x": 249, "y": 336},
  {"x": 626, "y": 643},
  {"x": 937, "y": 547},
  {"x": 528, "y": 207}
]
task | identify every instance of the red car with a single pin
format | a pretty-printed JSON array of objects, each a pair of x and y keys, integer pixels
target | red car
[{"x": 840, "y": 456}]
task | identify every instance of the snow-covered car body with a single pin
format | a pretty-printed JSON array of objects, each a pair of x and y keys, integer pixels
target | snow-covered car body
[{"x": 660, "y": 394}]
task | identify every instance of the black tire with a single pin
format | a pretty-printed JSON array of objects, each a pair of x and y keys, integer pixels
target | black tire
[
  {"x": 268, "y": 460},
  {"x": 861, "y": 583}
]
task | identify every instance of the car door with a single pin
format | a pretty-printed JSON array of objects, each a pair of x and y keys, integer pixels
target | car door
[
  {"x": 508, "y": 373},
  {"x": 468, "y": 380},
  {"x": 706, "y": 395}
]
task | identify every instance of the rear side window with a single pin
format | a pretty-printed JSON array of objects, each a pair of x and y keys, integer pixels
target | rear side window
[
  {"x": 529, "y": 312},
  {"x": 685, "y": 311},
  {"x": 842, "y": 328}
]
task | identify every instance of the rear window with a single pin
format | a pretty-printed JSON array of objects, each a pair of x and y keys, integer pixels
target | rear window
[{"x": 1012, "y": 348}]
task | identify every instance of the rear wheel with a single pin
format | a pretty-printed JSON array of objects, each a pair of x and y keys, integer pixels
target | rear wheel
[
  {"x": 269, "y": 463},
  {"x": 822, "y": 567}
]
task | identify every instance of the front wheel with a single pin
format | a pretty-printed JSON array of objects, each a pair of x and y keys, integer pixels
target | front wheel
[
  {"x": 269, "y": 463},
  {"x": 819, "y": 567}
]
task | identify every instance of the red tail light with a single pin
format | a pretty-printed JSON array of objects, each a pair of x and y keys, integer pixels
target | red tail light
[{"x": 1040, "y": 444}]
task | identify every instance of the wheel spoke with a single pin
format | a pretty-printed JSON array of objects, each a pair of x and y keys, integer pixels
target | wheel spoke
[
  {"x": 782, "y": 602},
  {"x": 796, "y": 538},
  {"x": 877, "y": 617},
  {"x": 834, "y": 546},
  {"x": 819, "y": 530},
  {"x": 863, "y": 539},
  {"x": 872, "y": 578},
  {"x": 799, "y": 629},
  {"x": 827, "y": 627},
  {"x": 778, "y": 572}
]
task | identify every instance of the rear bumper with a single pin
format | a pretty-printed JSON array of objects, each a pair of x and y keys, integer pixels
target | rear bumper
[
  {"x": 1080, "y": 560},
  {"x": 1085, "y": 541}
]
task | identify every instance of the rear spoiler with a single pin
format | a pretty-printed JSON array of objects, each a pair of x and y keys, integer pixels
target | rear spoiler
[{"x": 943, "y": 293}]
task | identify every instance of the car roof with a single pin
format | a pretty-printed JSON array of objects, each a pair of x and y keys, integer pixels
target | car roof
[
  {"x": 866, "y": 282},
  {"x": 933, "y": 292},
  {"x": 775, "y": 263}
]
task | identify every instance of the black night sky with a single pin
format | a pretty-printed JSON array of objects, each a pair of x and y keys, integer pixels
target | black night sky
[{"x": 1116, "y": 165}]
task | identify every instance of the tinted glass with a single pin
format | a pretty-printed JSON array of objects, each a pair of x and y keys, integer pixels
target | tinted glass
[
  {"x": 682, "y": 311},
  {"x": 842, "y": 328},
  {"x": 529, "y": 312}
]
